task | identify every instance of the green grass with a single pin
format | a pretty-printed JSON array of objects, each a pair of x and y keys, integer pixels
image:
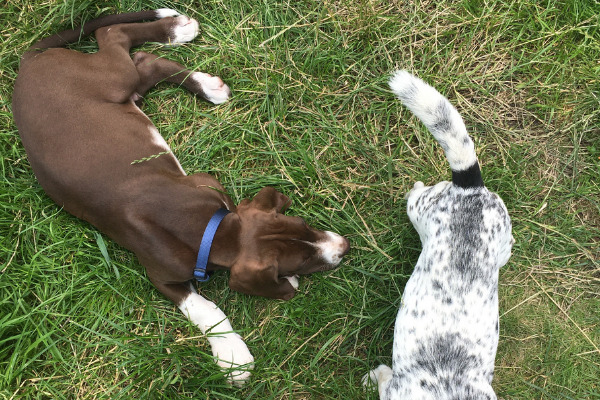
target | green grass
[{"x": 312, "y": 116}]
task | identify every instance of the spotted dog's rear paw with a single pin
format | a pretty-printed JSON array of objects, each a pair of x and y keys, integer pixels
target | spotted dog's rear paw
[
  {"x": 418, "y": 185},
  {"x": 212, "y": 88},
  {"x": 377, "y": 377},
  {"x": 233, "y": 357}
]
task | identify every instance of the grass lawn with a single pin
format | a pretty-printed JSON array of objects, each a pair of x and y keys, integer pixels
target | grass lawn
[{"x": 312, "y": 116}]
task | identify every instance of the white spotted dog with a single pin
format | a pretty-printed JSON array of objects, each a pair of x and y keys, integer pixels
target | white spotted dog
[{"x": 446, "y": 331}]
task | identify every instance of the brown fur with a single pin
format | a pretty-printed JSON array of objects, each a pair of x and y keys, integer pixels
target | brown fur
[{"x": 82, "y": 131}]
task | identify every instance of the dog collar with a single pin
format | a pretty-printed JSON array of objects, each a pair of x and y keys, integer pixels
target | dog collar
[{"x": 200, "y": 273}]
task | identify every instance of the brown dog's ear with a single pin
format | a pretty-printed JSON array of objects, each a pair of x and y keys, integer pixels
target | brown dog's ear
[
  {"x": 258, "y": 279},
  {"x": 268, "y": 199}
]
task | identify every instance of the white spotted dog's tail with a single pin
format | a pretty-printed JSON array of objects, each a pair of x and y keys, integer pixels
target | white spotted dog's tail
[{"x": 444, "y": 122}]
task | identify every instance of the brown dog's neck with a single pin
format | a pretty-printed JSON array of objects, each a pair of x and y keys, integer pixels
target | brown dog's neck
[{"x": 226, "y": 244}]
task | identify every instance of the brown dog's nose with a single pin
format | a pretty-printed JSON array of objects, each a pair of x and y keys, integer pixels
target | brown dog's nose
[{"x": 345, "y": 246}]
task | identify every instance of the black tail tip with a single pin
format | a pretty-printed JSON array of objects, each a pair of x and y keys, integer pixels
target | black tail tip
[{"x": 470, "y": 177}]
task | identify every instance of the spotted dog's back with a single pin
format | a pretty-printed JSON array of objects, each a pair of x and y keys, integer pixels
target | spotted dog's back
[{"x": 446, "y": 331}]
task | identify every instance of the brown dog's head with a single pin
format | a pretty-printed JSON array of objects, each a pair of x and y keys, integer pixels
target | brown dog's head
[{"x": 273, "y": 246}]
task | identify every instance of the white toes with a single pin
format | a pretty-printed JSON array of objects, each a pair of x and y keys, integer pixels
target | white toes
[
  {"x": 293, "y": 281},
  {"x": 233, "y": 357},
  {"x": 184, "y": 30},
  {"x": 166, "y": 12},
  {"x": 228, "y": 348},
  {"x": 213, "y": 88},
  {"x": 418, "y": 185},
  {"x": 369, "y": 380},
  {"x": 378, "y": 377}
]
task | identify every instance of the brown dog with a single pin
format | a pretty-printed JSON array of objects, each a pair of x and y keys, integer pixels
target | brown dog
[{"x": 99, "y": 156}]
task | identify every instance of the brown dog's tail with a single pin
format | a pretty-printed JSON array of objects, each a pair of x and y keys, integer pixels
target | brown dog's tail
[{"x": 63, "y": 38}]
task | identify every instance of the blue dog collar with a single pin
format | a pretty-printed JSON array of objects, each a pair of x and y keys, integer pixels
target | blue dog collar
[{"x": 207, "y": 238}]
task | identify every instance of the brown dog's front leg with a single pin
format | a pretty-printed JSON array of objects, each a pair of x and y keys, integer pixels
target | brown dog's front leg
[
  {"x": 153, "y": 69},
  {"x": 230, "y": 352}
]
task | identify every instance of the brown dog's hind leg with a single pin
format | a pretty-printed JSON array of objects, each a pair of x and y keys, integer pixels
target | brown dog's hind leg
[
  {"x": 169, "y": 30},
  {"x": 154, "y": 69},
  {"x": 115, "y": 73}
]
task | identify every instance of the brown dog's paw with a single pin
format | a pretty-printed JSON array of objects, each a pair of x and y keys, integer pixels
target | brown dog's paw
[
  {"x": 293, "y": 280},
  {"x": 184, "y": 29},
  {"x": 233, "y": 357},
  {"x": 212, "y": 88}
]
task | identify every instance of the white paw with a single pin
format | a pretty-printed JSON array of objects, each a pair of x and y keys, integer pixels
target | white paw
[
  {"x": 293, "y": 281},
  {"x": 213, "y": 87},
  {"x": 369, "y": 380},
  {"x": 377, "y": 377},
  {"x": 233, "y": 357},
  {"x": 418, "y": 185},
  {"x": 166, "y": 12},
  {"x": 228, "y": 348},
  {"x": 184, "y": 30}
]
